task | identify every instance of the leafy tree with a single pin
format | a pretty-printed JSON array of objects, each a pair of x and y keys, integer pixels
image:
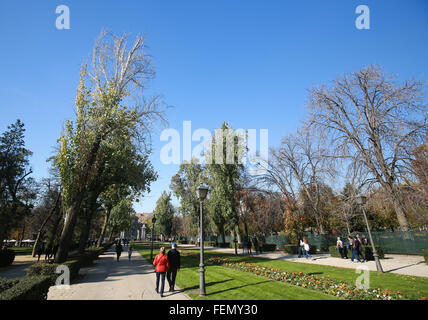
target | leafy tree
[
  {"x": 105, "y": 111},
  {"x": 225, "y": 169},
  {"x": 184, "y": 185},
  {"x": 16, "y": 196},
  {"x": 164, "y": 212},
  {"x": 121, "y": 217}
]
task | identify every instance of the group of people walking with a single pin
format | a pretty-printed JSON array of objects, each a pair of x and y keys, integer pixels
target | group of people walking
[
  {"x": 166, "y": 265},
  {"x": 355, "y": 244}
]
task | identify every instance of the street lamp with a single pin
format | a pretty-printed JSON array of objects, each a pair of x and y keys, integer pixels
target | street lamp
[
  {"x": 153, "y": 225},
  {"x": 201, "y": 193},
  {"x": 361, "y": 200}
]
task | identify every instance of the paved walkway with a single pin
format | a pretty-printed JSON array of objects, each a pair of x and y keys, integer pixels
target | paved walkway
[
  {"x": 112, "y": 280},
  {"x": 401, "y": 264},
  {"x": 19, "y": 266}
]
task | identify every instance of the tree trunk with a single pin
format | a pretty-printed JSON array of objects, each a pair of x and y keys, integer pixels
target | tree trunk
[
  {"x": 85, "y": 234},
  {"x": 67, "y": 232},
  {"x": 22, "y": 236},
  {"x": 39, "y": 234},
  {"x": 104, "y": 228}
]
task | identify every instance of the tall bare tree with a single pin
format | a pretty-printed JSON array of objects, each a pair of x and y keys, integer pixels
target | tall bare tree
[{"x": 375, "y": 121}]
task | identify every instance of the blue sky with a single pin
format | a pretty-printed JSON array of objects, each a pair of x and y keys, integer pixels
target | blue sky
[{"x": 246, "y": 62}]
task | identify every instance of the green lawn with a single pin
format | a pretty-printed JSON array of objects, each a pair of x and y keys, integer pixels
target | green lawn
[{"x": 224, "y": 283}]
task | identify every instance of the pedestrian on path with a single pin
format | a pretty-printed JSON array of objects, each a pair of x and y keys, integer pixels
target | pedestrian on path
[
  {"x": 340, "y": 247},
  {"x": 301, "y": 248},
  {"x": 119, "y": 250},
  {"x": 162, "y": 266},
  {"x": 130, "y": 249},
  {"x": 256, "y": 245},
  {"x": 307, "y": 247},
  {"x": 354, "y": 252},
  {"x": 40, "y": 250},
  {"x": 249, "y": 245},
  {"x": 174, "y": 266}
]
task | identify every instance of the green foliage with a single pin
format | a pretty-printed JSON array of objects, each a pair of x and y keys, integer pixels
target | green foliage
[
  {"x": 164, "y": 212},
  {"x": 183, "y": 186},
  {"x": 27, "y": 288},
  {"x": 367, "y": 252},
  {"x": 121, "y": 215},
  {"x": 6, "y": 257},
  {"x": 425, "y": 254},
  {"x": 16, "y": 194},
  {"x": 291, "y": 249},
  {"x": 225, "y": 170}
]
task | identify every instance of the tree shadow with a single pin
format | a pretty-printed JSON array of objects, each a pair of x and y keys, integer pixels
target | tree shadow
[
  {"x": 238, "y": 287},
  {"x": 207, "y": 284}
]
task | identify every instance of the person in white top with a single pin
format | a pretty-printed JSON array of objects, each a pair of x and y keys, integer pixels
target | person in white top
[
  {"x": 339, "y": 246},
  {"x": 307, "y": 248}
]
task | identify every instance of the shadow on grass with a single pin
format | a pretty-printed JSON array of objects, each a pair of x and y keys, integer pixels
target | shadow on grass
[
  {"x": 209, "y": 284},
  {"x": 238, "y": 287}
]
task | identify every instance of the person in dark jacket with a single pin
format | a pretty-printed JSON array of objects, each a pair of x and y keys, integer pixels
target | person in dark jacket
[
  {"x": 119, "y": 250},
  {"x": 162, "y": 266},
  {"x": 174, "y": 266}
]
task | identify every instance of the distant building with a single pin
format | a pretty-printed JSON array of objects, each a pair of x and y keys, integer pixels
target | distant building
[{"x": 143, "y": 217}]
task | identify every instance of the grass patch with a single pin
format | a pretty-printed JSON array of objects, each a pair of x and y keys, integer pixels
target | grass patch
[
  {"x": 410, "y": 286},
  {"x": 223, "y": 283}
]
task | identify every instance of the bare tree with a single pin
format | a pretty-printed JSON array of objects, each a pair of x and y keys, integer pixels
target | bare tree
[
  {"x": 300, "y": 163},
  {"x": 375, "y": 122}
]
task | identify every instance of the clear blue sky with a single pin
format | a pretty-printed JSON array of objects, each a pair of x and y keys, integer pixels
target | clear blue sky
[{"x": 246, "y": 62}]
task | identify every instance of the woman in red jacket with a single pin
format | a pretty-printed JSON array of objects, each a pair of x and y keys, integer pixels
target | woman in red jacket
[{"x": 162, "y": 266}]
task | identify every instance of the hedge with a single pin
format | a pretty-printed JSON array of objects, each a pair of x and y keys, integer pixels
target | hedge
[
  {"x": 6, "y": 257},
  {"x": 367, "y": 251},
  {"x": 27, "y": 288},
  {"x": 40, "y": 276},
  {"x": 425, "y": 254}
]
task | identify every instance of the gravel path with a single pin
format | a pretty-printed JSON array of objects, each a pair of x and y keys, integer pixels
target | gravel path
[{"x": 112, "y": 280}]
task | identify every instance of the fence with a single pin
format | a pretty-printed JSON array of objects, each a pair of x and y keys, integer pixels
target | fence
[{"x": 402, "y": 242}]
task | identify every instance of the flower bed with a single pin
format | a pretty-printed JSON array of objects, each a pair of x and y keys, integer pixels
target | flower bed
[{"x": 328, "y": 286}]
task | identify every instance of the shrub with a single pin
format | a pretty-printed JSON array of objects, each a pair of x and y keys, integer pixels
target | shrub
[
  {"x": 269, "y": 247},
  {"x": 6, "y": 257},
  {"x": 182, "y": 241},
  {"x": 48, "y": 269},
  {"x": 7, "y": 283},
  {"x": 367, "y": 251},
  {"x": 291, "y": 249},
  {"x": 224, "y": 245},
  {"x": 27, "y": 288},
  {"x": 425, "y": 254}
]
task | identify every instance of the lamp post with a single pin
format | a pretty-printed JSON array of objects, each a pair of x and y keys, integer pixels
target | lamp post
[
  {"x": 201, "y": 193},
  {"x": 361, "y": 200},
  {"x": 151, "y": 249}
]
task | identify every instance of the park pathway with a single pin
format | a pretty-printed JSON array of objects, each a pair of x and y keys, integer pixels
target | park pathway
[
  {"x": 410, "y": 265},
  {"x": 112, "y": 280}
]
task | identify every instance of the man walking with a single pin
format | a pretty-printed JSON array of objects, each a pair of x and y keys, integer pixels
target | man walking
[{"x": 174, "y": 266}]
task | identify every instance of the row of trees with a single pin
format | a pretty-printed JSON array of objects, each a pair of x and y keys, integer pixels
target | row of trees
[
  {"x": 102, "y": 162},
  {"x": 366, "y": 133}
]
